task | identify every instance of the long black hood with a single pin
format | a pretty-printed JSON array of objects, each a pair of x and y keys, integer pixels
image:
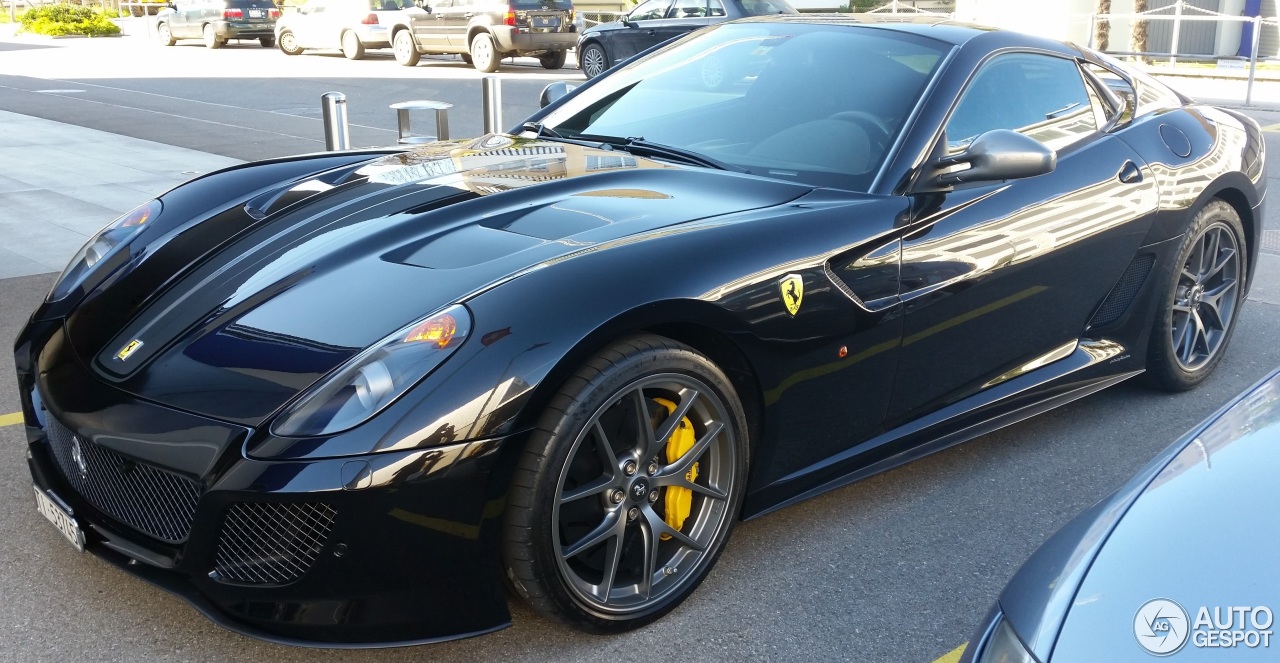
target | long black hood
[{"x": 277, "y": 292}]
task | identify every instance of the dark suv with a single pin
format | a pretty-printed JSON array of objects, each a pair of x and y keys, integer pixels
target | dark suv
[
  {"x": 216, "y": 21},
  {"x": 486, "y": 31}
]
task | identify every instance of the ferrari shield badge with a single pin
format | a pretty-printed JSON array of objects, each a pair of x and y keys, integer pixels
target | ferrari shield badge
[
  {"x": 130, "y": 348},
  {"x": 792, "y": 287}
]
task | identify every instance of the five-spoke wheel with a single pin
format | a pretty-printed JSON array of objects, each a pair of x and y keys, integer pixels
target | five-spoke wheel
[{"x": 628, "y": 490}]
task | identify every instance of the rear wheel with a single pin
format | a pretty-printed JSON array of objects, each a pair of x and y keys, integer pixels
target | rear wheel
[
  {"x": 267, "y": 42},
  {"x": 553, "y": 60},
  {"x": 211, "y": 39},
  {"x": 405, "y": 50},
  {"x": 351, "y": 46},
  {"x": 484, "y": 56},
  {"x": 164, "y": 35},
  {"x": 628, "y": 487},
  {"x": 593, "y": 61},
  {"x": 1200, "y": 299},
  {"x": 288, "y": 44}
]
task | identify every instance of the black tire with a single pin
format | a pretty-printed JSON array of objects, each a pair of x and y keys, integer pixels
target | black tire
[
  {"x": 592, "y": 60},
  {"x": 466, "y": 57},
  {"x": 352, "y": 48},
  {"x": 572, "y": 474},
  {"x": 211, "y": 38},
  {"x": 267, "y": 42},
  {"x": 1200, "y": 296},
  {"x": 288, "y": 44},
  {"x": 484, "y": 53},
  {"x": 164, "y": 35},
  {"x": 404, "y": 48},
  {"x": 554, "y": 59}
]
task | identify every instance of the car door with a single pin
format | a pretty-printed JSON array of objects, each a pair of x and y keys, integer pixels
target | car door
[
  {"x": 1000, "y": 278},
  {"x": 640, "y": 30},
  {"x": 179, "y": 24},
  {"x": 454, "y": 16}
]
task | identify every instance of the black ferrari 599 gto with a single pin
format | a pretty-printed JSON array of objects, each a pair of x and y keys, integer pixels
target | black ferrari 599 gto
[{"x": 344, "y": 398}]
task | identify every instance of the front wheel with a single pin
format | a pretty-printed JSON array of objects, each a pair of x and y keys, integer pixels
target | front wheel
[
  {"x": 553, "y": 60},
  {"x": 593, "y": 61},
  {"x": 352, "y": 49},
  {"x": 484, "y": 55},
  {"x": 211, "y": 39},
  {"x": 164, "y": 34},
  {"x": 1200, "y": 299},
  {"x": 628, "y": 488},
  {"x": 405, "y": 50}
]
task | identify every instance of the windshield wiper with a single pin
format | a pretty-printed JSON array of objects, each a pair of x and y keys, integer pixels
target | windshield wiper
[
  {"x": 543, "y": 132},
  {"x": 539, "y": 130},
  {"x": 641, "y": 147}
]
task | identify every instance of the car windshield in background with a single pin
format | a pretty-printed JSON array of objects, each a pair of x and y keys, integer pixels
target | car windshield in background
[
  {"x": 766, "y": 7},
  {"x": 818, "y": 104}
]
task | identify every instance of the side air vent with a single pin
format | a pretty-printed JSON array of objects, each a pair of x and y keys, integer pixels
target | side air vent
[{"x": 1123, "y": 292}]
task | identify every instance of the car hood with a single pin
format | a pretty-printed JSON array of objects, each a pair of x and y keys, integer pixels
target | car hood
[
  {"x": 1200, "y": 532},
  {"x": 303, "y": 278}
]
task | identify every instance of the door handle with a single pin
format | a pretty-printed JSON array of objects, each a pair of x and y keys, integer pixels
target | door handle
[
  {"x": 468, "y": 15},
  {"x": 1130, "y": 173}
]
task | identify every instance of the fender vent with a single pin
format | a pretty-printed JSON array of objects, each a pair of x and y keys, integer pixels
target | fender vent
[
  {"x": 271, "y": 544},
  {"x": 1123, "y": 292}
]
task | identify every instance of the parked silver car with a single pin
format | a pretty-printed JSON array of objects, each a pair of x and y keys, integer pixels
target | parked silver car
[{"x": 353, "y": 26}]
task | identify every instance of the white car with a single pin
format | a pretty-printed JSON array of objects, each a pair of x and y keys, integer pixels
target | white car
[{"x": 351, "y": 26}]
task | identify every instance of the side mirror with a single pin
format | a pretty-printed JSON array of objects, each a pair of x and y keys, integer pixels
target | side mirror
[
  {"x": 999, "y": 154},
  {"x": 629, "y": 23},
  {"x": 552, "y": 93}
]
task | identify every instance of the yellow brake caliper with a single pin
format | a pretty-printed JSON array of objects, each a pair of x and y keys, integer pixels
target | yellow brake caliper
[{"x": 678, "y": 501}]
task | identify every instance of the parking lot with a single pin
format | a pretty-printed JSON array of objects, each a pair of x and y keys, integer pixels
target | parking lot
[{"x": 899, "y": 567}]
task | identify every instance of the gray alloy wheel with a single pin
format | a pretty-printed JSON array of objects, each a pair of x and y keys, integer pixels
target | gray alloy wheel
[
  {"x": 164, "y": 35},
  {"x": 211, "y": 39},
  {"x": 593, "y": 61},
  {"x": 626, "y": 493},
  {"x": 405, "y": 50},
  {"x": 484, "y": 55},
  {"x": 288, "y": 43},
  {"x": 352, "y": 49},
  {"x": 1201, "y": 297}
]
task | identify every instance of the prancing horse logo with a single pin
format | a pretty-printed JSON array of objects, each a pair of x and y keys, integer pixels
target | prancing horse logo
[{"x": 792, "y": 287}]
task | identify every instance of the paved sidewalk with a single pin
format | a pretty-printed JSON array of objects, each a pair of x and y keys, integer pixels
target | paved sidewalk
[{"x": 60, "y": 183}]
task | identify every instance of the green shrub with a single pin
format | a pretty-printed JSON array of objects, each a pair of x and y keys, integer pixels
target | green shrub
[{"x": 64, "y": 19}]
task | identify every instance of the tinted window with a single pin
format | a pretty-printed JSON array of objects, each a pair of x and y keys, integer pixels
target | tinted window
[
  {"x": 777, "y": 99},
  {"x": 766, "y": 7},
  {"x": 688, "y": 9},
  {"x": 1041, "y": 96},
  {"x": 649, "y": 10},
  {"x": 715, "y": 8}
]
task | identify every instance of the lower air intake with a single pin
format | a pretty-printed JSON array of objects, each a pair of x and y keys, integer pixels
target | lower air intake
[
  {"x": 268, "y": 543},
  {"x": 1122, "y": 294}
]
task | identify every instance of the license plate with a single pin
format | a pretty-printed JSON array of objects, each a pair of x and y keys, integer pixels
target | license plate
[
  {"x": 255, "y": 13},
  {"x": 60, "y": 516},
  {"x": 546, "y": 21}
]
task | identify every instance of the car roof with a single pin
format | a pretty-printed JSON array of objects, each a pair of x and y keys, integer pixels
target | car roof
[{"x": 941, "y": 28}]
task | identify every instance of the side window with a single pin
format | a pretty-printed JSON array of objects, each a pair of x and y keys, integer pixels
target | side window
[
  {"x": 1041, "y": 96},
  {"x": 715, "y": 8},
  {"x": 650, "y": 10},
  {"x": 688, "y": 9}
]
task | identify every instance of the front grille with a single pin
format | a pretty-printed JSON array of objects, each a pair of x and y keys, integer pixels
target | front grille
[
  {"x": 148, "y": 499},
  {"x": 269, "y": 543},
  {"x": 1122, "y": 294}
]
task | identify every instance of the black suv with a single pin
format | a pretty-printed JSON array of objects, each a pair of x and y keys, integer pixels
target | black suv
[
  {"x": 486, "y": 31},
  {"x": 216, "y": 21}
]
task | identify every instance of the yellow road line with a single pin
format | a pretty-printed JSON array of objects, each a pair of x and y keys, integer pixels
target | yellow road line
[
  {"x": 1271, "y": 127},
  {"x": 10, "y": 419},
  {"x": 953, "y": 655}
]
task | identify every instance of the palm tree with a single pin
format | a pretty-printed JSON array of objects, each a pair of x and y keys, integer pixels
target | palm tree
[
  {"x": 1140, "y": 29},
  {"x": 1102, "y": 26}
]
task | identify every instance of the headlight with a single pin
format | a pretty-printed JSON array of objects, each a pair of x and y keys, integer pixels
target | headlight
[
  {"x": 375, "y": 378},
  {"x": 1005, "y": 647},
  {"x": 102, "y": 246}
]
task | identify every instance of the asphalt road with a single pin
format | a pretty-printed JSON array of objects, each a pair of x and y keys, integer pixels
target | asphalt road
[{"x": 896, "y": 568}]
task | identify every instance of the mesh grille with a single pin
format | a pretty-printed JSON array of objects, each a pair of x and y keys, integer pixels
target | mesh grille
[
  {"x": 272, "y": 543},
  {"x": 1123, "y": 292},
  {"x": 150, "y": 500}
]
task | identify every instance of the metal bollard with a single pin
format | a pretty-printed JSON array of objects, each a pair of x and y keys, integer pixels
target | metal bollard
[
  {"x": 1253, "y": 60},
  {"x": 407, "y": 136},
  {"x": 333, "y": 108},
  {"x": 491, "y": 102}
]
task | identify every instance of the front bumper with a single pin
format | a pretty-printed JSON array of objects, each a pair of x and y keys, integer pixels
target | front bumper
[{"x": 377, "y": 550}]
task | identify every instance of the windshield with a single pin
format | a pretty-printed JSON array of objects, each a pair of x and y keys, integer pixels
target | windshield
[{"x": 818, "y": 104}]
